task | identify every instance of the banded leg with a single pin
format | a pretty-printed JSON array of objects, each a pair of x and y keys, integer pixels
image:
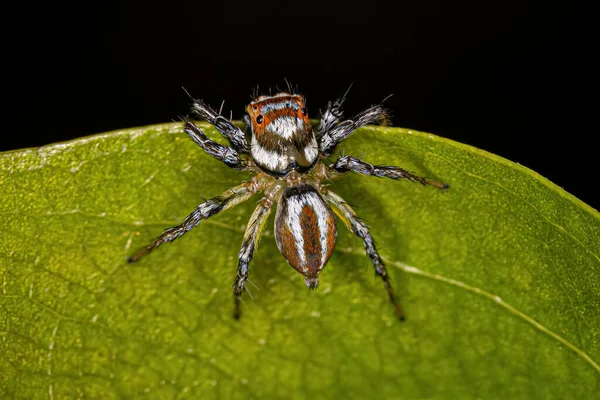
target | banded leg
[
  {"x": 332, "y": 115},
  {"x": 333, "y": 136},
  {"x": 235, "y": 135},
  {"x": 360, "y": 229},
  {"x": 222, "y": 153},
  {"x": 349, "y": 163},
  {"x": 249, "y": 244},
  {"x": 230, "y": 198}
]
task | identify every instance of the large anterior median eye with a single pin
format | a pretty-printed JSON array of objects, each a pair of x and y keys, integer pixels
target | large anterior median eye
[
  {"x": 259, "y": 119},
  {"x": 303, "y": 110}
]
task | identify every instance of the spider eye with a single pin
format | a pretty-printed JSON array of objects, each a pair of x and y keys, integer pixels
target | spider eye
[
  {"x": 303, "y": 111},
  {"x": 259, "y": 119}
]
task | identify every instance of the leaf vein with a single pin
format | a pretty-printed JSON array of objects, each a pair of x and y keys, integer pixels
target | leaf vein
[
  {"x": 495, "y": 298},
  {"x": 559, "y": 227}
]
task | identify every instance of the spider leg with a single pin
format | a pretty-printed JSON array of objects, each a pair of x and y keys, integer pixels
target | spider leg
[
  {"x": 249, "y": 244},
  {"x": 332, "y": 115},
  {"x": 349, "y": 163},
  {"x": 229, "y": 156},
  {"x": 210, "y": 207},
  {"x": 235, "y": 135},
  {"x": 331, "y": 137},
  {"x": 360, "y": 229}
]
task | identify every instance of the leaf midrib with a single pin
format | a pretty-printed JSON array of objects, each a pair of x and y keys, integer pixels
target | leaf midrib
[{"x": 484, "y": 293}]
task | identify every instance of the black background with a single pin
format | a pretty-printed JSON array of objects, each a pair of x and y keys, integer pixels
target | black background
[{"x": 517, "y": 79}]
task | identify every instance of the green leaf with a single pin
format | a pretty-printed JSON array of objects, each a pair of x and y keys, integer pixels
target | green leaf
[{"x": 499, "y": 277}]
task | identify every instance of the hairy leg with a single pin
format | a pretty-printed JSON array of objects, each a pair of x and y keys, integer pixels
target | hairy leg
[
  {"x": 235, "y": 135},
  {"x": 205, "y": 210},
  {"x": 222, "y": 153},
  {"x": 249, "y": 245},
  {"x": 336, "y": 134},
  {"x": 360, "y": 229},
  {"x": 349, "y": 163},
  {"x": 332, "y": 115}
]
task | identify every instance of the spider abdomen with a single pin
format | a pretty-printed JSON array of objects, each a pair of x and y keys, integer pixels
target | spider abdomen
[{"x": 305, "y": 231}]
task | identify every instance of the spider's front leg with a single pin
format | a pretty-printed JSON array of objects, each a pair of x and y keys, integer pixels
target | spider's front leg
[
  {"x": 360, "y": 229},
  {"x": 249, "y": 244},
  {"x": 235, "y": 135},
  {"x": 334, "y": 135},
  {"x": 226, "y": 154},
  {"x": 230, "y": 198},
  {"x": 349, "y": 163},
  {"x": 332, "y": 115}
]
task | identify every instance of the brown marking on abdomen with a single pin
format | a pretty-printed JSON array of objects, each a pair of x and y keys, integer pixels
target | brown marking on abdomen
[
  {"x": 298, "y": 235},
  {"x": 331, "y": 236},
  {"x": 288, "y": 248},
  {"x": 312, "y": 239}
]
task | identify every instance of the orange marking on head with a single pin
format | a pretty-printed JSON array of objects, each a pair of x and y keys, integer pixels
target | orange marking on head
[{"x": 256, "y": 110}]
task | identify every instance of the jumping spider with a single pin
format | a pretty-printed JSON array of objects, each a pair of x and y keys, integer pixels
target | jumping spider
[{"x": 289, "y": 160}]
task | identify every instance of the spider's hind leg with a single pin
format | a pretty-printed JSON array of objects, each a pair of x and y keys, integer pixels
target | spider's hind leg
[
  {"x": 249, "y": 244},
  {"x": 360, "y": 229}
]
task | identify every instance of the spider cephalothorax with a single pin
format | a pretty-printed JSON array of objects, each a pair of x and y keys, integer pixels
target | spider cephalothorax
[
  {"x": 282, "y": 136},
  {"x": 288, "y": 157}
]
